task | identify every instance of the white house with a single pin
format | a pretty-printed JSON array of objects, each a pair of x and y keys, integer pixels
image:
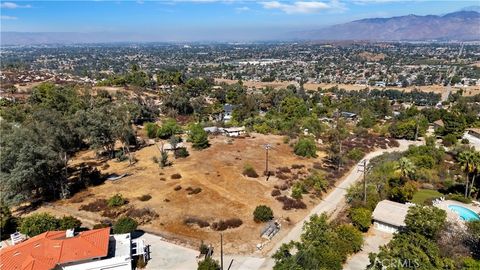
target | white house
[{"x": 389, "y": 216}]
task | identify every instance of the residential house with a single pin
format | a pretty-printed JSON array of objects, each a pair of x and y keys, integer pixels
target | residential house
[{"x": 389, "y": 216}]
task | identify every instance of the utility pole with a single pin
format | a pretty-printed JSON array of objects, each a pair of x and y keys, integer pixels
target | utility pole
[
  {"x": 363, "y": 168},
  {"x": 221, "y": 251},
  {"x": 267, "y": 147}
]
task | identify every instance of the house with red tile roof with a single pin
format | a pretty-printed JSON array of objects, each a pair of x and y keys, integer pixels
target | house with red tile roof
[{"x": 93, "y": 250}]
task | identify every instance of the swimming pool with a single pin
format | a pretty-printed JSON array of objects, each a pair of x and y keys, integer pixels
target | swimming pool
[{"x": 464, "y": 213}]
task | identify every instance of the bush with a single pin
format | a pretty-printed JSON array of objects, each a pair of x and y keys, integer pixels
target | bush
[
  {"x": 192, "y": 191},
  {"x": 116, "y": 200},
  {"x": 306, "y": 147},
  {"x": 176, "y": 176},
  {"x": 465, "y": 141},
  {"x": 208, "y": 264},
  {"x": 181, "y": 152},
  {"x": 356, "y": 154},
  {"x": 275, "y": 192},
  {"x": 249, "y": 171},
  {"x": 289, "y": 203},
  {"x": 36, "y": 224},
  {"x": 226, "y": 224},
  {"x": 145, "y": 197},
  {"x": 168, "y": 129},
  {"x": 297, "y": 190},
  {"x": 69, "y": 222},
  {"x": 361, "y": 218},
  {"x": 125, "y": 225},
  {"x": 151, "y": 129},
  {"x": 262, "y": 213},
  {"x": 198, "y": 137},
  {"x": 449, "y": 140},
  {"x": 177, "y": 188},
  {"x": 101, "y": 225},
  {"x": 459, "y": 198}
]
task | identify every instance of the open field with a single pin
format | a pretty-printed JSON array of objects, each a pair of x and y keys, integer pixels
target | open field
[
  {"x": 423, "y": 194},
  {"x": 439, "y": 89},
  {"x": 225, "y": 192}
]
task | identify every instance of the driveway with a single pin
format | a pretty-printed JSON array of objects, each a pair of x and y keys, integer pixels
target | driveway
[
  {"x": 374, "y": 239},
  {"x": 334, "y": 200}
]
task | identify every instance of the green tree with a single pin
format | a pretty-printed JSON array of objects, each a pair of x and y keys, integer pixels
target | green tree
[
  {"x": 168, "y": 129},
  {"x": 262, "y": 213},
  {"x": 124, "y": 225},
  {"x": 406, "y": 168},
  {"x": 425, "y": 220},
  {"x": 69, "y": 222},
  {"x": 198, "y": 136},
  {"x": 305, "y": 147},
  {"x": 467, "y": 161},
  {"x": 8, "y": 223},
  {"x": 36, "y": 224},
  {"x": 208, "y": 264},
  {"x": 361, "y": 218}
]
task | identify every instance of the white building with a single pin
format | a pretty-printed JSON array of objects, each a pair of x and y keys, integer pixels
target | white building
[{"x": 389, "y": 216}]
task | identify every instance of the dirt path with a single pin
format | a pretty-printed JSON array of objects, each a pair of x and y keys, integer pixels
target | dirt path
[{"x": 334, "y": 200}]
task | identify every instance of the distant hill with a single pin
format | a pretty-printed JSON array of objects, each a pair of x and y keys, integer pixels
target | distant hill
[{"x": 462, "y": 25}]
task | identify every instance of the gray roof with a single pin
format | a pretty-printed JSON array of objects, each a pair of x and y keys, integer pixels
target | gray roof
[{"x": 392, "y": 213}]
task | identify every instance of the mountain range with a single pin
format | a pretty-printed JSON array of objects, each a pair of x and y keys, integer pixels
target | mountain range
[{"x": 461, "y": 25}]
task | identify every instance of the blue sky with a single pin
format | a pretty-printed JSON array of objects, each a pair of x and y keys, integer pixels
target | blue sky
[{"x": 184, "y": 19}]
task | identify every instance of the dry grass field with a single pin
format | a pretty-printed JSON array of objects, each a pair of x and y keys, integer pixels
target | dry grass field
[{"x": 225, "y": 192}]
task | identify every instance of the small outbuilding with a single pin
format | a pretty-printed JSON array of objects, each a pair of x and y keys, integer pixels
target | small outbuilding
[{"x": 389, "y": 216}]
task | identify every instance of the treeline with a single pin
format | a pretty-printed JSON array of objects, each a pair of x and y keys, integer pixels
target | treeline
[
  {"x": 416, "y": 97},
  {"x": 40, "y": 136}
]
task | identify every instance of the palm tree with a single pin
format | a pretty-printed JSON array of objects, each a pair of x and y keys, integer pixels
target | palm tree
[
  {"x": 466, "y": 160},
  {"x": 406, "y": 167},
  {"x": 476, "y": 166}
]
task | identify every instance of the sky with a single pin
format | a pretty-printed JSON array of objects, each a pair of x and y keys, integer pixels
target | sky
[{"x": 204, "y": 19}]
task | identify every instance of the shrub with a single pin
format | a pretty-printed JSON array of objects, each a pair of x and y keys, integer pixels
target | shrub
[
  {"x": 145, "y": 197},
  {"x": 36, "y": 224},
  {"x": 289, "y": 203},
  {"x": 176, "y": 176},
  {"x": 125, "y": 225},
  {"x": 69, "y": 222},
  {"x": 297, "y": 190},
  {"x": 208, "y": 264},
  {"x": 306, "y": 147},
  {"x": 116, "y": 200},
  {"x": 101, "y": 225},
  {"x": 151, "y": 129},
  {"x": 226, "y": 224},
  {"x": 192, "y": 191},
  {"x": 361, "y": 218},
  {"x": 181, "y": 152},
  {"x": 193, "y": 220},
  {"x": 177, "y": 188},
  {"x": 198, "y": 137},
  {"x": 459, "y": 198},
  {"x": 169, "y": 128},
  {"x": 449, "y": 140},
  {"x": 317, "y": 181},
  {"x": 356, "y": 154},
  {"x": 262, "y": 213},
  {"x": 275, "y": 192},
  {"x": 249, "y": 171},
  {"x": 96, "y": 206},
  {"x": 465, "y": 141}
]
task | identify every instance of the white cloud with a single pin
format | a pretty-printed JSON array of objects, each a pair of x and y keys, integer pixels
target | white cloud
[
  {"x": 242, "y": 9},
  {"x": 5, "y": 17},
  {"x": 302, "y": 6},
  {"x": 11, "y": 5}
]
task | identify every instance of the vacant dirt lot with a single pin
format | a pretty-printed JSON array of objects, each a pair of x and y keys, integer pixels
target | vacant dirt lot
[
  {"x": 439, "y": 89},
  {"x": 225, "y": 192}
]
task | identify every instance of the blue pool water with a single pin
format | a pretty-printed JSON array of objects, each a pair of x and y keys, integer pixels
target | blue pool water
[{"x": 464, "y": 213}]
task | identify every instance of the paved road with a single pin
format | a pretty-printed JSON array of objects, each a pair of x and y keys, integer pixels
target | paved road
[{"x": 334, "y": 200}]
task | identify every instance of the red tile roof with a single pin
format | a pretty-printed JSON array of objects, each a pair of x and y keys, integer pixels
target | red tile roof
[{"x": 45, "y": 251}]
